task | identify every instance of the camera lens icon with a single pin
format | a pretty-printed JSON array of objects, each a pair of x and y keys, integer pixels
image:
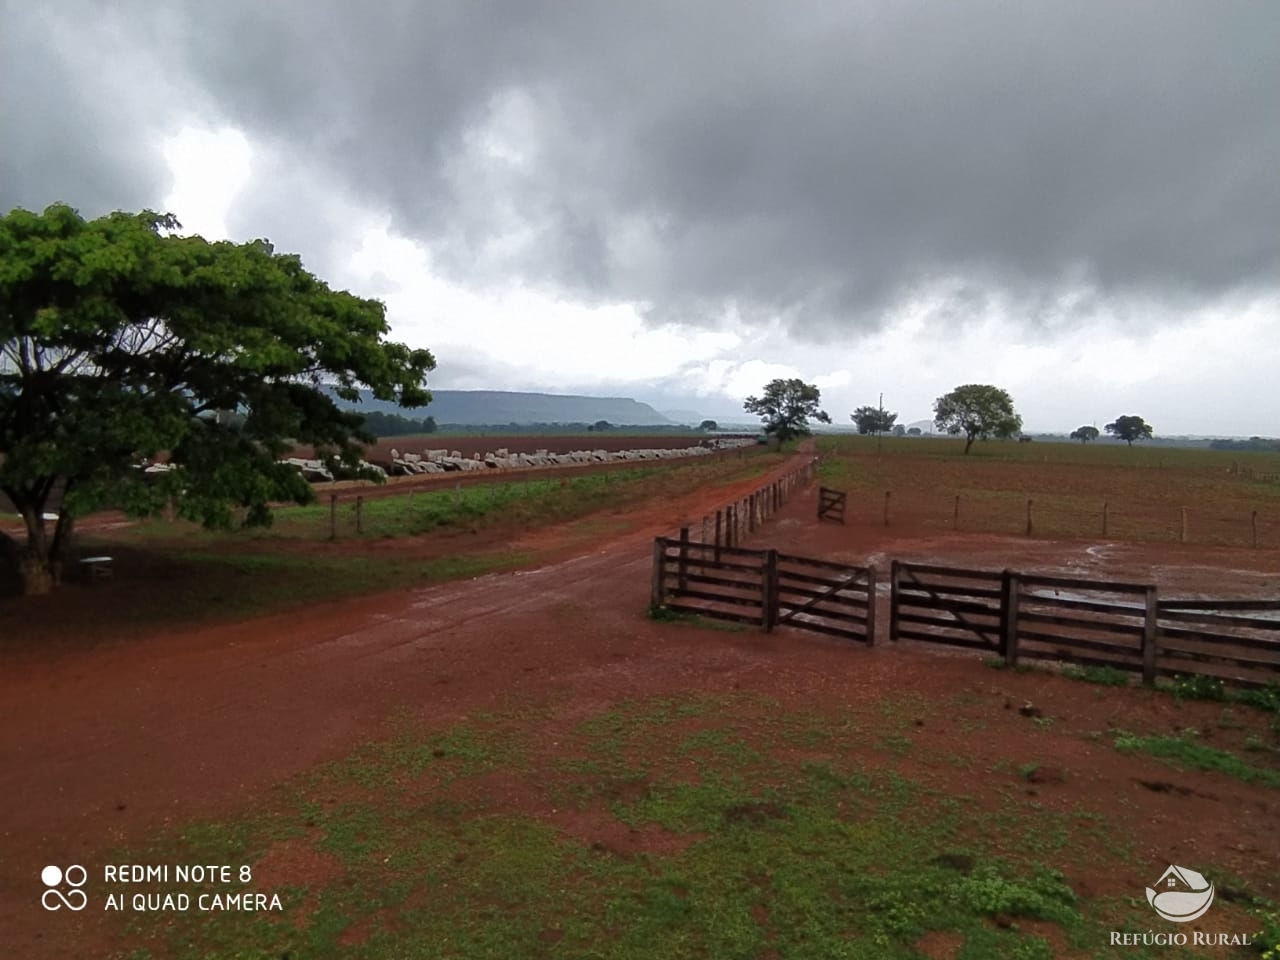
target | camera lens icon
[{"x": 74, "y": 877}]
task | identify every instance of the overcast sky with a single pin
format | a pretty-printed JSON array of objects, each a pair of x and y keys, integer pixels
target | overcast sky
[{"x": 1077, "y": 201}]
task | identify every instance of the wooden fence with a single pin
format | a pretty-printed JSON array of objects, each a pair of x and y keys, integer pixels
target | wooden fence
[
  {"x": 1125, "y": 626},
  {"x": 763, "y": 588},
  {"x": 732, "y": 523}
]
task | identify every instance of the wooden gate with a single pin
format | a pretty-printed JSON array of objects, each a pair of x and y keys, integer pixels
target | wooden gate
[
  {"x": 963, "y": 608},
  {"x": 831, "y": 504},
  {"x": 824, "y": 597},
  {"x": 764, "y": 588}
]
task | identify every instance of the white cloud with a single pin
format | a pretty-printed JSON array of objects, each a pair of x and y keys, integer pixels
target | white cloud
[{"x": 209, "y": 169}]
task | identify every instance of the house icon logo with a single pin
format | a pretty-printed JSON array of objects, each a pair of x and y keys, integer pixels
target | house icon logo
[{"x": 1181, "y": 895}]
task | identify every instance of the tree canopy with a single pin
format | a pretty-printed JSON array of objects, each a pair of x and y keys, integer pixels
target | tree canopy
[
  {"x": 786, "y": 407},
  {"x": 1129, "y": 429},
  {"x": 1085, "y": 434},
  {"x": 978, "y": 411},
  {"x": 708, "y": 426},
  {"x": 873, "y": 420},
  {"x": 120, "y": 340}
]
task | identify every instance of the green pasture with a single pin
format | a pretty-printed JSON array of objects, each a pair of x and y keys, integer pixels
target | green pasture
[{"x": 722, "y": 827}]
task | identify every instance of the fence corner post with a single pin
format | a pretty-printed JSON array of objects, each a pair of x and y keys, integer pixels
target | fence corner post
[
  {"x": 683, "y": 576},
  {"x": 871, "y": 606},
  {"x": 1150, "y": 634},
  {"x": 769, "y": 598},
  {"x": 894, "y": 573},
  {"x": 656, "y": 597},
  {"x": 1009, "y": 618}
]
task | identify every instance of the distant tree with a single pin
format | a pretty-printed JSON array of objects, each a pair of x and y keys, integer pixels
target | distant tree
[
  {"x": 1084, "y": 434},
  {"x": 873, "y": 420},
  {"x": 601, "y": 425},
  {"x": 708, "y": 426},
  {"x": 899, "y": 430},
  {"x": 914, "y": 432},
  {"x": 978, "y": 411},
  {"x": 1129, "y": 429},
  {"x": 429, "y": 425},
  {"x": 786, "y": 408}
]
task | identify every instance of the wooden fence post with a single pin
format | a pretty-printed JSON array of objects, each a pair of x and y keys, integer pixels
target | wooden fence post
[
  {"x": 1009, "y": 618},
  {"x": 769, "y": 591},
  {"x": 894, "y": 574},
  {"x": 359, "y": 514},
  {"x": 1182, "y": 537},
  {"x": 751, "y": 512},
  {"x": 717, "y": 553},
  {"x": 656, "y": 596},
  {"x": 955, "y": 514},
  {"x": 683, "y": 576},
  {"x": 871, "y": 606},
  {"x": 333, "y": 516},
  {"x": 1104, "y": 518},
  {"x": 887, "y": 495},
  {"x": 1149, "y": 633},
  {"x": 1254, "y": 522},
  {"x": 730, "y": 526},
  {"x": 1028, "y": 518}
]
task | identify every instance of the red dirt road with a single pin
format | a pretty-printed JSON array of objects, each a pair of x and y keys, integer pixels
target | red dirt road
[{"x": 108, "y": 746}]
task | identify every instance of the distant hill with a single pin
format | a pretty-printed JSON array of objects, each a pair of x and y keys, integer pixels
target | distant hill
[{"x": 497, "y": 407}]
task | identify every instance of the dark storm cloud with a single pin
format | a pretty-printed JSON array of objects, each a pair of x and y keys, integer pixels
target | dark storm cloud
[
  {"x": 79, "y": 97},
  {"x": 814, "y": 162}
]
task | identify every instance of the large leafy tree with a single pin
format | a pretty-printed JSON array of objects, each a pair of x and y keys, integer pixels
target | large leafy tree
[
  {"x": 120, "y": 340},
  {"x": 786, "y": 407},
  {"x": 978, "y": 411},
  {"x": 873, "y": 420},
  {"x": 1129, "y": 429},
  {"x": 1085, "y": 434}
]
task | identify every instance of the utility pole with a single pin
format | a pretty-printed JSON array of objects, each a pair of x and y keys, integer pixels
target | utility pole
[{"x": 880, "y": 425}]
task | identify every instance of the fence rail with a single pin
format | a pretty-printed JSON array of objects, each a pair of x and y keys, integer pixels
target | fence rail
[{"x": 1125, "y": 626}]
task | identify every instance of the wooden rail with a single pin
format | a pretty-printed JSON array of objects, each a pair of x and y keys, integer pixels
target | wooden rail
[{"x": 1120, "y": 625}]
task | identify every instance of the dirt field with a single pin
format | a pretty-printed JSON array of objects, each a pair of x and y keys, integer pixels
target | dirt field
[{"x": 109, "y": 749}]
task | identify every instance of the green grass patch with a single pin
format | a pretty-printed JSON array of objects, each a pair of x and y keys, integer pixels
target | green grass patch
[
  {"x": 1102, "y": 675},
  {"x": 1188, "y": 753}
]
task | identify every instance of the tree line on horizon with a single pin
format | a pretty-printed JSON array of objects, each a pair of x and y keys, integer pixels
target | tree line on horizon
[{"x": 974, "y": 411}]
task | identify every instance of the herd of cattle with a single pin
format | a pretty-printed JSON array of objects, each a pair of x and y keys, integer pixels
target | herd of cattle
[{"x": 446, "y": 461}]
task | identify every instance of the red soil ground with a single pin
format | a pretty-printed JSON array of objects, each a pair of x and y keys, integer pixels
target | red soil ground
[{"x": 105, "y": 747}]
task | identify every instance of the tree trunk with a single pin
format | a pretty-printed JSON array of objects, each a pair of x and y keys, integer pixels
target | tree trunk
[
  {"x": 37, "y": 575},
  {"x": 39, "y": 561},
  {"x": 967, "y": 444}
]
